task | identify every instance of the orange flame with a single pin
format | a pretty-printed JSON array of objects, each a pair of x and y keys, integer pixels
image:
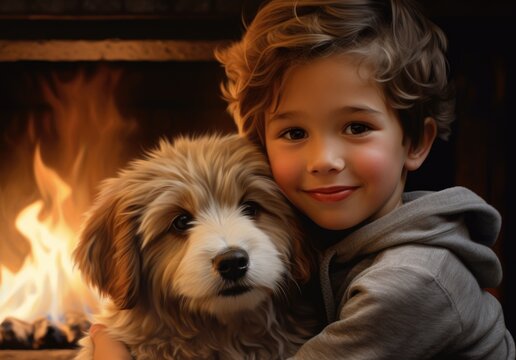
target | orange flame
[
  {"x": 87, "y": 144},
  {"x": 47, "y": 285}
]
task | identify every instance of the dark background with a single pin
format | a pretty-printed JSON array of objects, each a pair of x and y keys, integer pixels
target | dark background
[{"x": 480, "y": 153}]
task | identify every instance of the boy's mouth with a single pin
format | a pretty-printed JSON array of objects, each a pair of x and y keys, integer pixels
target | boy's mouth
[{"x": 331, "y": 193}]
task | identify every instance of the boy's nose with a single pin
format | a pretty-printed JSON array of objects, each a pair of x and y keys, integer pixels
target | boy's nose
[{"x": 325, "y": 160}]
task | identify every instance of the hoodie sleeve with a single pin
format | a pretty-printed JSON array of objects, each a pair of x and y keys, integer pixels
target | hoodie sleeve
[{"x": 388, "y": 313}]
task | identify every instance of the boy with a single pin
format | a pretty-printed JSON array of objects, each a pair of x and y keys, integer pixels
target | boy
[{"x": 345, "y": 97}]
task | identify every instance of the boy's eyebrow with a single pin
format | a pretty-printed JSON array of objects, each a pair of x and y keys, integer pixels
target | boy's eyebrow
[
  {"x": 345, "y": 110},
  {"x": 285, "y": 115}
]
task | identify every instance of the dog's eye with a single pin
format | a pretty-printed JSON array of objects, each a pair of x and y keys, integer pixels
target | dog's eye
[
  {"x": 182, "y": 222},
  {"x": 250, "y": 208}
]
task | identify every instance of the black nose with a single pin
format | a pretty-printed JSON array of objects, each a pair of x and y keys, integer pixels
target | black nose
[{"x": 232, "y": 263}]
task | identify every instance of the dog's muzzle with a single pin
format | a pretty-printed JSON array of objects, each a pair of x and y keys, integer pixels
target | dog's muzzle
[{"x": 232, "y": 263}]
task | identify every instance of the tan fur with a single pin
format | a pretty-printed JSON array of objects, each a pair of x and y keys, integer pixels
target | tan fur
[{"x": 163, "y": 289}]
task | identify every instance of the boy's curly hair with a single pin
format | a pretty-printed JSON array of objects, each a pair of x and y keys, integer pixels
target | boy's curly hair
[{"x": 405, "y": 50}]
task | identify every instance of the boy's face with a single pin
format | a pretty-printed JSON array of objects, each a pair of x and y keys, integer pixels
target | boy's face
[{"x": 335, "y": 147}]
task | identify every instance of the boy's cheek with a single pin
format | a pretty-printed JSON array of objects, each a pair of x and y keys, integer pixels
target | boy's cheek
[
  {"x": 376, "y": 165},
  {"x": 280, "y": 172},
  {"x": 284, "y": 172}
]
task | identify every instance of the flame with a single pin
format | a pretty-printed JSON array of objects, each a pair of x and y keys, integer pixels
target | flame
[
  {"x": 87, "y": 144},
  {"x": 47, "y": 285}
]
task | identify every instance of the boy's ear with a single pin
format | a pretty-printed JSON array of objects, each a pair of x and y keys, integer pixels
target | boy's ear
[{"x": 418, "y": 153}]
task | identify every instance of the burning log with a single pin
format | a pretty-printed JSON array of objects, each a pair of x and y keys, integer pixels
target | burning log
[
  {"x": 43, "y": 334},
  {"x": 75, "y": 326},
  {"x": 15, "y": 334}
]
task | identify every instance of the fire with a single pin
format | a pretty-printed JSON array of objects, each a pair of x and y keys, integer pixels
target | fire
[
  {"x": 47, "y": 285},
  {"x": 86, "y": 145}
]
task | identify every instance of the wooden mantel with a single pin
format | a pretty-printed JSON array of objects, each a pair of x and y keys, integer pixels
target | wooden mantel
[{"x": 109, "y": 50}]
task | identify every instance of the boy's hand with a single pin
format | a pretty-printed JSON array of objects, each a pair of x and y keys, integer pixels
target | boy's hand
[{"x": 104, "y": 347}]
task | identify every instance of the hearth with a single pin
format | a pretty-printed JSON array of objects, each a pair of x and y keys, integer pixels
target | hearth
[{"x": 86, "y": 86}]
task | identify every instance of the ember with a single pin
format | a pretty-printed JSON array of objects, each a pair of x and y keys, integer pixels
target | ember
[{"x": 42, "y": 333}]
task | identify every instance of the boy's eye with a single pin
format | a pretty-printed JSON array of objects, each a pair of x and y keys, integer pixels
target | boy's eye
[
  {"x": 294, "y": 134},
  {"x": 356, "y": 129}
]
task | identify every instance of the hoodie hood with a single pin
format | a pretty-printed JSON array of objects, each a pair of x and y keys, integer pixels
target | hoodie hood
[{"x": 455, "y": 218}]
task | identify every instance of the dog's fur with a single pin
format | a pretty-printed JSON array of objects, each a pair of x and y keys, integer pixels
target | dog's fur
[{"x": 168, "y": 298}]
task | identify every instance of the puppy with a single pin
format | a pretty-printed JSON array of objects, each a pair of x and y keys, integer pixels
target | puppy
[{"x": 198, "y": 253}]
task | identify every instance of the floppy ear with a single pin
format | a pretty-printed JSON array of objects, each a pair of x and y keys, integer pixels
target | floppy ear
[
  {"x": 107, "y": 252},
  {"x": 303, "y": 257}
]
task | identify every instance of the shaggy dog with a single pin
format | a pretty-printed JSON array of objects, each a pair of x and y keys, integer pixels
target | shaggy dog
[{"x": 199, "y": 254}]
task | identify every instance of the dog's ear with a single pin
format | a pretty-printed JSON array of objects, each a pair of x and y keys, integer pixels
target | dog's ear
[
  {"x": 108, "y": 253},
  {"x": 304, "y": 256}
]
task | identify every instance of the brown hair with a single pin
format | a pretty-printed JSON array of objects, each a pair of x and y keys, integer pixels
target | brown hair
[{"x": 405, "y": 49}]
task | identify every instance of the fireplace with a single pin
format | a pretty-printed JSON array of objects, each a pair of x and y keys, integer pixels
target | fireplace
[
  {"x": 85, "y": 87},
  {"x": 70, "y": 126},
  {"x": 88, "y": 85}
]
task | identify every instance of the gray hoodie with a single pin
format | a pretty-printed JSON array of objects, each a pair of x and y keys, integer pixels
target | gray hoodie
[{"x": 410, "y": 285}]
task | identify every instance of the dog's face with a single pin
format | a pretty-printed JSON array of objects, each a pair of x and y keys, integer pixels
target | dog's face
[{"x": 198, "y": 221}]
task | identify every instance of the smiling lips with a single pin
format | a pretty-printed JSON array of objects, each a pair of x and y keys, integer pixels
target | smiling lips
[{"x": 331, "y": 194}]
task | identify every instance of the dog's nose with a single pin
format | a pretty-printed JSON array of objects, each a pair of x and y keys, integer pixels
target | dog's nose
[{"x": 232, "y": 263}]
